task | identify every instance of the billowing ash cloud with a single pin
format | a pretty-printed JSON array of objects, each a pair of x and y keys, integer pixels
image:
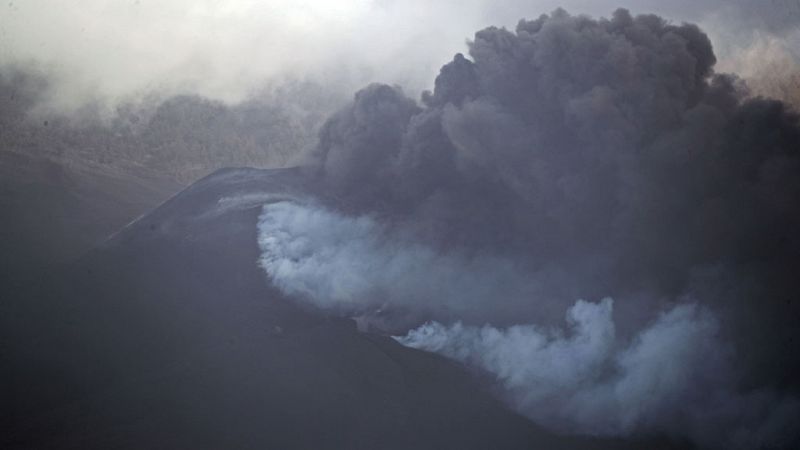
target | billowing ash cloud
[
  {"x": 608, "y": 149},
  {"x": 572, "y": 158}
]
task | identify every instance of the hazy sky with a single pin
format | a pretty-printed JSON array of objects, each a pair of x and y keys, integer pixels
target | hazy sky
[{"x": 101, "y": 49}]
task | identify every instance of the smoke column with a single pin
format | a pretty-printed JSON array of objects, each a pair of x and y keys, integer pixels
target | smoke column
[{"x": 571, "y": 158}]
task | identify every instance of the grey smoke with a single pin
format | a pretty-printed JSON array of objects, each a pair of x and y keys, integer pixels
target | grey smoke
[
  {"x": 608, "y": 149},
  {"x": 573, "y": 158}
]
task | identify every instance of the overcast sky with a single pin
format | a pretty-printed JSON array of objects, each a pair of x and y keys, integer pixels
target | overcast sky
[{"x": 100, "y": 49}]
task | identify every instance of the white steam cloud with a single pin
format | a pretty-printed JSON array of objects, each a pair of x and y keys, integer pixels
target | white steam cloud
[
  {"x": 352, "y": 265},
  {"x": 676, "y": 376}
]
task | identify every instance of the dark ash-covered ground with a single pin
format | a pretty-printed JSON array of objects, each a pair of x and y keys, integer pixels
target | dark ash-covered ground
[{"x": 168, "y": 336}]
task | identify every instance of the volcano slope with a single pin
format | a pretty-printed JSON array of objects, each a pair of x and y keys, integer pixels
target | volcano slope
[
  {"x": 169, "y": 335},
  {"x": 56, "y": 210}
]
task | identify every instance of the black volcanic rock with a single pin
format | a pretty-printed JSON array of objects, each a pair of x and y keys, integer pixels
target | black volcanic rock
[
  {"x": 169, "y": 336},
  {"x": 54, "y": 210}
]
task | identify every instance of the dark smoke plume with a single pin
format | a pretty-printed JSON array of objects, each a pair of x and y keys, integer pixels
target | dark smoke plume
[{"x": 571, "y": 159}]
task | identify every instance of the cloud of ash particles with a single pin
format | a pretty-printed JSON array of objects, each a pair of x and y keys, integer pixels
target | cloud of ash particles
[{"x": 572, "y": 158}]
